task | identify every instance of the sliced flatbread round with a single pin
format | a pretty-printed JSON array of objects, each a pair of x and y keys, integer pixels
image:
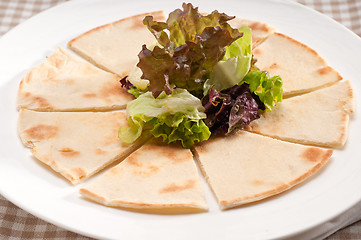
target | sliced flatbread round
[
  {"x": 76, "y": 145},
  {"x": 155, "y": 177},
  {"x": 317, "y": 118},
  {"x": 66, "y": 82},
  {"x": 115, "y": 47},
  {"x": 300, "y": 67},
  {"x": 247, "y": 167}
]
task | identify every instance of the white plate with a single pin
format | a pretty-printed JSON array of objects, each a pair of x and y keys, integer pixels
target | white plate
[{"x": 34, "y": 188}]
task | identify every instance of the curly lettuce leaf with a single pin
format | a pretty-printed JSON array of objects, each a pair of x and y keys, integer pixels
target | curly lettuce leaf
[
  {"x": 235, "y": 65},
  {"x": 175, "y": 117},
  {"x": 184, "y": 25},
  {"x": 190, "y": 65},
  {"x": 268, "y": 89}
]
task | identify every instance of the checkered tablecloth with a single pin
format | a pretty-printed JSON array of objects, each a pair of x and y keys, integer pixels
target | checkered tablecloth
[{"x": 16, "y": 223}]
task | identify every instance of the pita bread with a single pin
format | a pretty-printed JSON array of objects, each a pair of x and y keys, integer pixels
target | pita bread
[
  {"x": 300, "y": 67},
  {"x": 259, "y": 30},
  {"x": 66, "y": 82},
  {"x": 154, "y": 177},
  {"x": 115, "y": 47},
  {"x": 76, "y": 145},
  {"x": 252, "y": 167},
  {"x": 318, "y": 118}
]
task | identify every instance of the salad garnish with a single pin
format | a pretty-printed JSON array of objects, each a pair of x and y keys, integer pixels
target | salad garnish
[{"x": 199, "y": 78}]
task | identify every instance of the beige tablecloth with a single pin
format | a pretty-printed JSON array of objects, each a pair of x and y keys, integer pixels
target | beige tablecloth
[{"x": 16, "y": 223}]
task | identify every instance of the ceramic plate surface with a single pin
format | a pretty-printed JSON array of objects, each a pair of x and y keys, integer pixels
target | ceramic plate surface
[{"x": 39, "y": 191}]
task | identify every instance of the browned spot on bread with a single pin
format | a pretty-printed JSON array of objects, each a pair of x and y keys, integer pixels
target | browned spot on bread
[
  {"x": 316, "y": 154},
  {"x": 42, "y": 132},
  {"x": 325, "y": 70},
  {"x": 68, "y": 152},
  {"x": 133, "y": 160},
  {"x": 109, "y": 90},
  {"x": 79, "y": 172},
  {"x": 312, "y": 154},
  {"x": 259, "y": 26},
  {"x": 115, "y": 171},
  {"x": 145, "y": 171},
  {"x": 42, "y": 102},
  {"x": 201, "y": 148},
  {"x": 274, "y": 66},
  {"x": 153, "y": 169},
  {"x": 89, "y": 95},
  {"x": 176, "y": 157},
  {"x": 257, "y": 182},
  {"x": 173, "y": 188},
  {"x": 257, "y": 51},
  {"x": 99, "y": 151}
]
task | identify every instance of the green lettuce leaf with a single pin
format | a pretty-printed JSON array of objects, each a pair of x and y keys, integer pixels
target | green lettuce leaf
[
  {"x": 135, "y": 91},
  {"x": 175, "y": 117},
  {"x": 235, "y": 65},
  {"x": 268, "y": 89}
]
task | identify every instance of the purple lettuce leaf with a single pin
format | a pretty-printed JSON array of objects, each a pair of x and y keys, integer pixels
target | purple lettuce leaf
[{"x": 230, "y": 109}]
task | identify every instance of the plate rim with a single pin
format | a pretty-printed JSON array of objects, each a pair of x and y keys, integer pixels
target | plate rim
[{"x": 64, "y": 5}]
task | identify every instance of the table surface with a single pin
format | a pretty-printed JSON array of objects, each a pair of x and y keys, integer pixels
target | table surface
[{"x": 16, "y": 223}]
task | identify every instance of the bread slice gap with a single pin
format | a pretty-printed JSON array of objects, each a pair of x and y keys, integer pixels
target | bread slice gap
[
  {"x": 244, "y": 167},
  {"x": 157, "y": 178},
  {"x": 301, "y": 68},
  {"x": 66, "y": 82},
  {"x": 76, "y": 145},
  {"x": 318, "y": 118},
  {"x": 114, "y": 47}
]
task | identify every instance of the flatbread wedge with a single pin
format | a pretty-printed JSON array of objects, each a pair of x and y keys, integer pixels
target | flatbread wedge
[
  {"x": 246, "y": 167},
  {"x": 156, "y": 178},
  {"x": 66, "y": 82},
  {"x": 317, "y": 118},
  {"x": 76, "y": 145},
  {"x": 115, "y": 46},
  {"x": 300, "y": 67}
]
